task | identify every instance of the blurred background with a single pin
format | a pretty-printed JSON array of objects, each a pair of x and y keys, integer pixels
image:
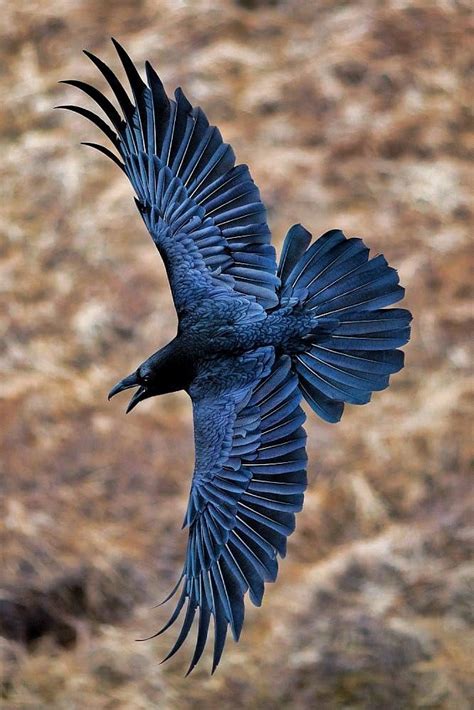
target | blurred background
[{"x": 351, "y": 115}]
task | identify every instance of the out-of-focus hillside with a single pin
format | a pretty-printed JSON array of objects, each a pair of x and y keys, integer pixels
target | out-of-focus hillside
[{"x": 351, "y": 114}]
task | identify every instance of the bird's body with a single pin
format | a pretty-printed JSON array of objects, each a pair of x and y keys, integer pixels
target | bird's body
[
  {"x": 252, "y": 340},
  {"x": 225, "y": 328}
]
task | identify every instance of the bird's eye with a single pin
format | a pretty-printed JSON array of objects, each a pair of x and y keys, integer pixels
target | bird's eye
[{"x": 145, "y": 378}]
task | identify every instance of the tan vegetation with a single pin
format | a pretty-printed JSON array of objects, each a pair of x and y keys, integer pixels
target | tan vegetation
[{"x": 352, "y": 115}]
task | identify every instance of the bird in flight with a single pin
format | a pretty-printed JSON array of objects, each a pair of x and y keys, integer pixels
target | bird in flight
[{"x": 254, "y": 338}]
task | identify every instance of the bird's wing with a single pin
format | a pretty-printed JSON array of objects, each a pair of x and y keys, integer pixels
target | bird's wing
[
  {"x": 248, "y": 483},
  {"x": 203, "y": 212}
]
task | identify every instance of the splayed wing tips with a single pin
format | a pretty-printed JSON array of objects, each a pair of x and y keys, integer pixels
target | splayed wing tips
[
  {"x": 105, "y": 151},
  {"x": 246, "y": 489},
  {"x": 99, "y": 122},
  {"x": 140, "y": 93},
  {"x": 160, "y": 103},
  {"x": 171, "y": 594},
  {"x": 169, "y": 144},
  {"x": 203, "y": 630},
  {"x": 120, "y": 93}
]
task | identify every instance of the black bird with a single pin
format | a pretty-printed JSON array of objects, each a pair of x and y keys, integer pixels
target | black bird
[{"x": 252, "y": 340}]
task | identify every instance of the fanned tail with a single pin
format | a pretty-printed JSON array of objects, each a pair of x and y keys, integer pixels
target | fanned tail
[{"x": 352, "y": 350}]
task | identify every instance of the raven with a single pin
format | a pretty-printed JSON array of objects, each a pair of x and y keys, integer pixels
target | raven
[{"x": 252, "y": 340}]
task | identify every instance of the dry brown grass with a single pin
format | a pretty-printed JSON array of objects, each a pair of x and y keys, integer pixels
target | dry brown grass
[{"x": 351, "y": 114}]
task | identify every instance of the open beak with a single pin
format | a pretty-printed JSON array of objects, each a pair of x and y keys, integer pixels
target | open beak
[{"x": 125, "y": 384}]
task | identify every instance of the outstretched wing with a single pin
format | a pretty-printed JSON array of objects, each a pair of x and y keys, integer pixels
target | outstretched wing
[
  {"x": 249, "y": 479},
  {"x": 203, "y": 212}
]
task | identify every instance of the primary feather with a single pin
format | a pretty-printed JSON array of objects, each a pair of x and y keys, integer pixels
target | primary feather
[{"x": 252, "y": 341}]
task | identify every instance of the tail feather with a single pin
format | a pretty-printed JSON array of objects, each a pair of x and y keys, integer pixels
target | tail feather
[
  {"x": 373, "y": 322},
  {"x": 297, "y": 241},
  {"x": 334, "y": 263},
  {"x": 309, "y": 258},
  {"x": 380, "y": 362},
  {"x": 352, "y": 260},
  {"x": 338, "y": 278},
  {"x": 331, "y": 388},
  {"x": 351, "y": 351},
  {"x": 345, "y": 376}
]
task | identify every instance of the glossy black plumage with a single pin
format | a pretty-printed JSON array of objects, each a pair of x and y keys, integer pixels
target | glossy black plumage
[{"x": 252, "y": 340}]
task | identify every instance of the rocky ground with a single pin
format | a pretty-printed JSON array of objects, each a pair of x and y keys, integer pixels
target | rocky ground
[{"x": 351, "y": 114}]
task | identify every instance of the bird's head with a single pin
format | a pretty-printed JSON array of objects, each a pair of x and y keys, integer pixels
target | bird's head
[
  {"x": 162, "y": 372},
  {"x": 144, "y": 378}
]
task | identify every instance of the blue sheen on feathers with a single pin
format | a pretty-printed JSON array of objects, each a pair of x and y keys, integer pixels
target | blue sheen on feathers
[{"x": 253, "y": 340}]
